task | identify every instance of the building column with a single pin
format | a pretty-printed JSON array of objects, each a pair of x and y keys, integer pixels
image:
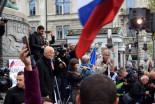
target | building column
[
  {"x": 116, "y": 54},
  {"x": 124, "y": 59},
  {"x": 121, "y": 58}
]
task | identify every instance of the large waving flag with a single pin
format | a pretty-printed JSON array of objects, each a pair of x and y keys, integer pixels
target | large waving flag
[
  {"x": 93, "y": 57},
  {"x": 94, "y": 14}
]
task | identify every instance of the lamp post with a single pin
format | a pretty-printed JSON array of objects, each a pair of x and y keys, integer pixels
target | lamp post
[
  {"x": 145, "y": 54},
  {"x": 109, "y": 44},
  {"x": 130, "y": 57}
]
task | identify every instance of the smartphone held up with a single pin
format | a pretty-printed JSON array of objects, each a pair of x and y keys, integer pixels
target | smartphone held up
[{"x": 26, "y": 42}]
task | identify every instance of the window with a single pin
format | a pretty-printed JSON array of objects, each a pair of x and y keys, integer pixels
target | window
[
  {"x": 129, "y": 4},
  {"x": 59, "y": 32},
  {"x": 66, "y": 6},
  {"x": 32, "y": 8},
  {"x": 62, "y": 7},
  {"x": 58, "y": 7},
  {"x": 66, "y": 30},
  {"x": 33, "y": 29}
]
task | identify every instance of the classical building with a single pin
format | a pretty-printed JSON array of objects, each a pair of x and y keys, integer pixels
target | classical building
[{"x": 61, "y": 16}]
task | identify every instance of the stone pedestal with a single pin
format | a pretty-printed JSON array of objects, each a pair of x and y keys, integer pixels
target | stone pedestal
[{"x": 11, "y": 41}]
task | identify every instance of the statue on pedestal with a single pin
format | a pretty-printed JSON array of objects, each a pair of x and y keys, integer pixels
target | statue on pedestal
[{"x": 10, "y": 5}]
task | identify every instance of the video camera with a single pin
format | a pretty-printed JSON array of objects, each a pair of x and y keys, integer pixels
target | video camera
[
  {"x": 61, "y": 50},
  {"x": 5, "y": 80}
]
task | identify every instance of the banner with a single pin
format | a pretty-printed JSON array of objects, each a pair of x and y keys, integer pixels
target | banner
[{"x": 15, "y": 65}]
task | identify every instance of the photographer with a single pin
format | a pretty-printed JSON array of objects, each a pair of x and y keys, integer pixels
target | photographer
[
  {"x": 129, "y": 77},
  {"x": 46, "y": 42},
  {"x": 61, "y": 78},
  {"x": 138, "y": 91},
  {"x": 74, "y": 77}
]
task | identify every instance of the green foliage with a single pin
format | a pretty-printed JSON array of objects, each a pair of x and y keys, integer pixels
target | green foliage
[{"x": 151, "y": 5}]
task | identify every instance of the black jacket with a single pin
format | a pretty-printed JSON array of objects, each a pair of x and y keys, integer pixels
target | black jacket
[
  {"x": 131, "y": 78},
  {"x": 15, "y": 96},
  {"x": 46, "y": 77},
  {"x": 66, "y": 60},
  {"x": 137, "y": 91},
  {"x": 36, "y": 42},
  {"x": 75, "y": 79},
  {"x": 2, "y": 30}
]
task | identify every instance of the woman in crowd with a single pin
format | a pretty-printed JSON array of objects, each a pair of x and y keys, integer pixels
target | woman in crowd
[
  {"x": 74, "y": 77},
  {"x": 85, "y": 63}
]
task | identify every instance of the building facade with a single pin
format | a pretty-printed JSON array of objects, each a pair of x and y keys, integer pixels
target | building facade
[{"x": 61, "y": 16}]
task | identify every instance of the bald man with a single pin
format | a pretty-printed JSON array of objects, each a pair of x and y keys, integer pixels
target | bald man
[
  {"x": 151, "y": 87},
  {"x": 47, "y": 73}
]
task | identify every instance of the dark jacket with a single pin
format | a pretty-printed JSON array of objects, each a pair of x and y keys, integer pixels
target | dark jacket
[
  {"x": 75, "y": 79},
  {"x": 137, "y": 91},
  {"x": 15, "y": 96},
  {"x": 131, "y": 78},
  {"x": 2, "y": 30},
  {"x": 66, "y": 60},
  {"x": 46, "y": 77},
  {"x": 32, "y": 87},
  {"x": 36, "y": 42}
]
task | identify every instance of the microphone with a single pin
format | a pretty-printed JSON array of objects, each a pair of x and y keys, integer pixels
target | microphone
[
  {"x": 61, "y": 61},
  {"x": 110, "y": 64}
]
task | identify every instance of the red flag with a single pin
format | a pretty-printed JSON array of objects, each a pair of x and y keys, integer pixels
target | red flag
[{"x": 102, "y": 14}]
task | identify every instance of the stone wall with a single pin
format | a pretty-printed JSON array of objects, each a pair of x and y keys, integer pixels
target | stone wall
[{"x": 11, "y": 41}]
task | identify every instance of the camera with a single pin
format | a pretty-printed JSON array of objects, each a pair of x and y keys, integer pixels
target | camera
[
  {"x": 122, "y": 80},
  {"x": 61, "y": 51},
  {"x": 47, "y": 32},
  {"x": 5, "y": 80}
]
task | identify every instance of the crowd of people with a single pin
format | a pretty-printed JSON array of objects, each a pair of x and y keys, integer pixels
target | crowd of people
[{"x": 57, "y": 75}]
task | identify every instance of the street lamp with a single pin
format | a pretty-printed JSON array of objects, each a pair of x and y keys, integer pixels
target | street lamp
[
  {"x": 140, "y": 21},
  {"x": 145, "y": 54},
  {"x": 137, "y": 23},
  {"x": 109, "y": 44},
  {"x": 130, "y": 57}
]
